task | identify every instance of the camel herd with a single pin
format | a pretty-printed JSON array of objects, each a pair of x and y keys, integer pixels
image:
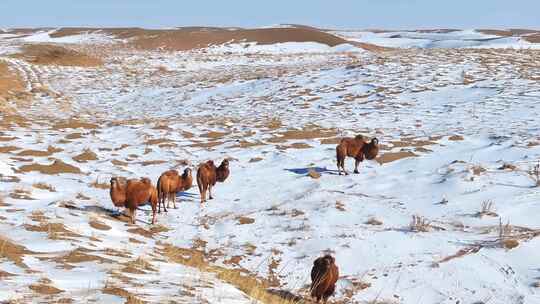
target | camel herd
[{"x": 131, "y": 193}]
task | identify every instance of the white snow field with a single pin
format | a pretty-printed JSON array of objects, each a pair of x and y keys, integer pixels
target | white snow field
[
  {"x": 460, "y": 136},
  {"x": 451, "y": 39}
]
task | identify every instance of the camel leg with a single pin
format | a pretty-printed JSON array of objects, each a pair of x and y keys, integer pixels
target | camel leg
[
  {"x": 203, "y": 194},
  {"x": 210, "y": 191},
  {"x": 174, "y": 200},
  {"x": 163, "y": 202},
  {"x": 154, "y": 212},
  {"x": 356, "y": 163},
  {"x": 342, "y": 164},
  {"x": 168, "y": 200},
  {"x": 132, "y": 216}
]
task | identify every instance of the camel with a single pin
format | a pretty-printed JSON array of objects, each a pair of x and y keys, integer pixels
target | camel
[
  {"x": 324, "y": 276},
  {"x": 118, "y": 190},
  {"x": 208, "y": 175},
  {"x": 355, "y": 148},
  {"x": 170, "y": 183},
  {"x": 139, "y": 192}
]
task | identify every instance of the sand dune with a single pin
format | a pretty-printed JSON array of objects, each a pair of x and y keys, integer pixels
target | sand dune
[{"x": 199, "y": 37}]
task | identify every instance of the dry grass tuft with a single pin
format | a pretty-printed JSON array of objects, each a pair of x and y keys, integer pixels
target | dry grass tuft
[
  {"x": 75, "y": 135},
  {"x": 245, "y": 220},
  {"x": 139, "y": 266},
  {"x": 44, "y": 186},
  {"x": 510, "y": 243},
  {"x": 460, "y": 253},
  {"x": 94, "y": 223},
  {"x": 487, "y": 209},
  {"x": 142, "y": 232},
  {"x": 478, "y": 170},
  {"x": 97, "y": 184},
  {"x": 117, "y": 291},
  {"x": 55, "y": 231},
  {"x": 373, "y": 221},
  {"x": 81, "y": 196},
  {"x": 242, "y": 279},
  {"x": 21, "y": 194},
  {"x": 2, "y": 202},
  {"x": 534, "y": 174},
  {"x": 43, "y": 287},
  {"x": 419, "y": 224},
  {"x": 456, "y": 138},
  {"x": 340, "y": 206},
  {"x": 507, "y": 166},
  {"x": 313, "y": 174},
  {"x": 86, "y": 156},
  {"x": 505, "y": 236}
]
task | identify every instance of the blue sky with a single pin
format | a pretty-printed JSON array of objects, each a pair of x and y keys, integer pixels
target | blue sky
[{"x": 251, "y": 13}]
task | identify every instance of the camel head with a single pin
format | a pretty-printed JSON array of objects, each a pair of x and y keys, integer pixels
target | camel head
[
  {"x": 324, "y": 262},
  {"x": 187, "y": 172},
  {"x": 375, "y": 141},
  {"x": 116, "y": 181},
  {"x": 225, "y": 163}
]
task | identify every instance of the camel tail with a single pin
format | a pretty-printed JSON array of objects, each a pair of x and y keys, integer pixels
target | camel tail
[
  {"x": 200, "y": 183},
  {"x": 159, "y": 191}
]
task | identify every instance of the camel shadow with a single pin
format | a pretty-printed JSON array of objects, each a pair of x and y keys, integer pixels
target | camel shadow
[
  {"x": 304, "y": 171},
  {"x": 108, "y": 212},
  {"x": 186, "y": 194},
  {"x": 116, "y": 214}
]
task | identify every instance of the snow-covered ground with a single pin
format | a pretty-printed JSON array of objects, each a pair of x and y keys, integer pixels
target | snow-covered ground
[
  {"x": 44, "y": 36},
  {"x": 452, "y": 39},
  {"x": 459, "y": 129}
]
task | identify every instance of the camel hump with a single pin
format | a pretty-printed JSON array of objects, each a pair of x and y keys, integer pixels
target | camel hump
[{"x": 146, "y": 180}]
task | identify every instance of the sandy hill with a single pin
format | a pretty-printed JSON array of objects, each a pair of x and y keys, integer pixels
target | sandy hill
[{"x": 196, "y": 37}]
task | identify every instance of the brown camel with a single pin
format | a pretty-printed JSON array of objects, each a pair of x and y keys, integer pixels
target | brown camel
[
  {"x": 139, "y": 192},
  {"x": 118, "y": 190},
  {"x": 169, "y": 184},
  {"x": 324, "y": 276},
  {"x": 351, "y": 147},
  {"x": 208, "y": 175},
  {"x": 356, "y": 148}
]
